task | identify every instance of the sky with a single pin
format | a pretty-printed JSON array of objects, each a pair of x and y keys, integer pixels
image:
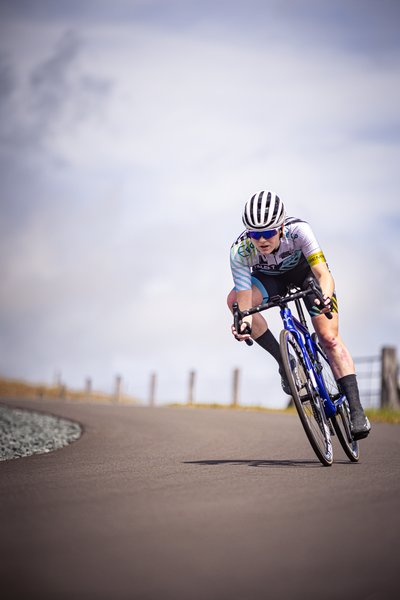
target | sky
[{"x": 131, "y": 135}]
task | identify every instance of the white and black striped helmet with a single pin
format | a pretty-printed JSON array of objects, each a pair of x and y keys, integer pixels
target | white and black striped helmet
[{"x": 265, "y": 210}]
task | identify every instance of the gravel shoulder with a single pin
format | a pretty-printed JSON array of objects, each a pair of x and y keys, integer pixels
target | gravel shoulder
[{"x": 26, "y": 432}]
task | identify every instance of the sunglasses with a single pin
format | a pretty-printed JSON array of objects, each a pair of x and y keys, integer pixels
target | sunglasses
[{"x": 265, "y": 234}]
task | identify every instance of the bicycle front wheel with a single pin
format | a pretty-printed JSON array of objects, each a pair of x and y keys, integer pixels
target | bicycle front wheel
[
  {"x": 340, "y": 421},
  {"x": 306, "y": 400}
]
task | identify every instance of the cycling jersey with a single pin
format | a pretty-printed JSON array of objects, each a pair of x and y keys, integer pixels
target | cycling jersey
[{"x": 298, "y": 248}]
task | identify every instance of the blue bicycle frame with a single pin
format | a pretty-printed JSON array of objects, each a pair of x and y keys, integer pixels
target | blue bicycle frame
[
  {"x": 298, "y": 328},
  {"x": 309, "y": 348}
]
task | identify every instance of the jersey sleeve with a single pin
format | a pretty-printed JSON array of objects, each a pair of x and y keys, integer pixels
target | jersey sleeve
[
  {"x": 243, "y": 252},
  {"x": 308, "y": 244}
]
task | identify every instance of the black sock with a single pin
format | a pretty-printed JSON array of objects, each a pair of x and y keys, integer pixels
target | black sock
[
  {"x": 349, "y": 386},
  {"x": 268, "y": 341}
]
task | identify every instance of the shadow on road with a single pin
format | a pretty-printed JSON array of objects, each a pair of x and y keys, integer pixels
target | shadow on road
[{"x": 259, "y": 463}]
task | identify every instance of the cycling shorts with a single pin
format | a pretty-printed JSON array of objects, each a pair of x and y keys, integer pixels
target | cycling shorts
[{"x": 277, "y": 285}]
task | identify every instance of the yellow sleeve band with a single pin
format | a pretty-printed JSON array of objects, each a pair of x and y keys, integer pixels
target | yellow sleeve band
[{"x": 317, "y": 257}]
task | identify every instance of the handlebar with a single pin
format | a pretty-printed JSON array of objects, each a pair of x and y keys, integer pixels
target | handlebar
[{"x": 276, "y": 301}]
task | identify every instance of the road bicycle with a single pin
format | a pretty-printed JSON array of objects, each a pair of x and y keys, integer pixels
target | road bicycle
[{"x": 322, "y": 407}]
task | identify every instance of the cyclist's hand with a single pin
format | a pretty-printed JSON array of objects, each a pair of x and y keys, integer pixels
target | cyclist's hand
[
  {"x": 244, "y": 327},
  {"x": 327, "y": 302}
]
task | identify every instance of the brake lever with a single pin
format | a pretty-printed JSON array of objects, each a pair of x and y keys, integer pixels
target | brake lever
[{"x": 237, "y": 322}]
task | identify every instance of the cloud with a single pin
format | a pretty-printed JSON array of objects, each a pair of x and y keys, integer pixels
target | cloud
[
  {"x": 49, "y": 80},
  {"x": 56, "y": 95},
  {"x": 6, "y": 79}
]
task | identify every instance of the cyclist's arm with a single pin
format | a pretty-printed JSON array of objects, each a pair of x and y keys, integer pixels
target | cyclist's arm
[
  {"x": 242, "y": 255},
  {"x": 325, "y": 280}
]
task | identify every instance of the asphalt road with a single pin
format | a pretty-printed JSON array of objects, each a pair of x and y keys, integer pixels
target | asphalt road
[{"x": 193, "y": 504}]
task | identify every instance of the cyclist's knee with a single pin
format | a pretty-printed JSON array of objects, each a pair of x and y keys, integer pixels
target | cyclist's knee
[
  {"x": 232, "y": 297},
  {"x": 329, "y": 339},
  {"x": 257, "y": 296}
]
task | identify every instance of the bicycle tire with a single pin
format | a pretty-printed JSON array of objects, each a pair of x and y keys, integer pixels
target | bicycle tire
[
  {"x": 341, "y": 424},
  {"x": 341, "y": 421},
  {"x": 307, "y": 402}
]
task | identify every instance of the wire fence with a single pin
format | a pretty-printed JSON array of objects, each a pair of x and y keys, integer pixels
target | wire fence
[
  {"x": 369, "y": 377},
  {"x": 377, "y": 376}
]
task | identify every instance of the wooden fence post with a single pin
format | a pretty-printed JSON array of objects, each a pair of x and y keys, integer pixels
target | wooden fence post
[
  {"x": 389, "y": 384},
  {"x": 88, "y": 389},
  {"x": 118, "y": 389},
  {"x": 61, "y": 387},
  {"x": 235, "y": 399},
  {"x": 192, "y": 376},
  {"x": 152, "y": 389}
]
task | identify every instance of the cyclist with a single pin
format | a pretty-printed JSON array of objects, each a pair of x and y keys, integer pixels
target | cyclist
[{"x": 273, "y": 252}]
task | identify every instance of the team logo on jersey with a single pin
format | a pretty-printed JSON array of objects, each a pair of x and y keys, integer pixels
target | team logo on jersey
[
  {"x": 245, "y": 248},
  {"x": 287, "y": 234}
]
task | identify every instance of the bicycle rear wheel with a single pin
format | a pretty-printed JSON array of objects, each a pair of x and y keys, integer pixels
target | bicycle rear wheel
[
  {"x": 306, "y": 400},
  {"x": 340, "y": 421}
]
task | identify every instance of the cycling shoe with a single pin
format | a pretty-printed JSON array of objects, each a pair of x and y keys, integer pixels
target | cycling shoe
[{"x": 360, "y": 426}]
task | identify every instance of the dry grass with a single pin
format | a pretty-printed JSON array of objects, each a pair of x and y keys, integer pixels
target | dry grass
[
  {"x": 236, "y": 407},
  {"x": 383, "y": 415},
  {"x": 12, "y": 388},
  {"x": 379, "y": 415}
]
